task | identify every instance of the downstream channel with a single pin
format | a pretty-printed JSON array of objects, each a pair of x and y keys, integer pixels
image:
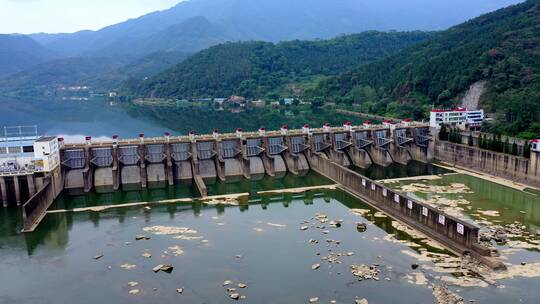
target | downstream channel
[{"x": 280, "y": 244}]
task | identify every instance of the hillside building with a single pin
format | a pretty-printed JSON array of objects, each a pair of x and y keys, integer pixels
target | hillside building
[{"x": 457, "y": 118}]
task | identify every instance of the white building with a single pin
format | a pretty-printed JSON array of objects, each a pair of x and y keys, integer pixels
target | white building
[
  {"x": 535, "y": 145},
  {"x": 46, "y": 154},
  {"x": 459, "y": 117},
  {"x": 28, "y": 155}
]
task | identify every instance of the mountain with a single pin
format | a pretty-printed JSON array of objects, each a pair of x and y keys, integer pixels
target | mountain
[
  {"x": 189, "y": 36},
  {"x": 254, "y": 69},
  {"x": 501, "y": 49},
  {"x": 19, "y": 52},
  {"x": 97, "y": 72},
  {"x": 57, "y": 73},
  {"x": 277, "y": 20}
]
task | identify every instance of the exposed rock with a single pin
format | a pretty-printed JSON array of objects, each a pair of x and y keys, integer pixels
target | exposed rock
[
  {"x": 157, "y": 268},
  {"x": 304, "y": 228},
  {"x": 176, "y": 250},
  {"x": 361, "y": 227},
  {"x": 361, "y": 212},
  {"x": 128, "y": 266},
  {"x": 167, "y": 268},
  {"x": 147, "y": 255},
  {"x": 365, "y": 272},
  {"x": 134, "y": 292},
  {"x": 133, "y": 284},
  {"x": 315, "y": 266},
  {"x": 242, "y": 285},
  {"x": 314, "y": 300},
  {"x": 141, "y": 237},
  {"x": 226, "y": 283},
  {"x": 334, "y": 224},
  {"x": 180, "y": 290},
  {"x": 361, "y": 301},
  {"x": 97, "y": 257},
  {"x": 445, "y": 296},
  {"x": 234, "y": 296}
]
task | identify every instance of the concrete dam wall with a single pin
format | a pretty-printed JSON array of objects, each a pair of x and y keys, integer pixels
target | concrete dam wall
[{"x": 511, "y": 167}]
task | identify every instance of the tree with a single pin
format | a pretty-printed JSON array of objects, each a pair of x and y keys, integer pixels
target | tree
[
  {"x": 527, "y": 150},
  {"x": 470, "y": 142},
  {"x": 507, "y": 148},
  {"x": 514, "y": 149},
  {"x": 443, "y": 133}
]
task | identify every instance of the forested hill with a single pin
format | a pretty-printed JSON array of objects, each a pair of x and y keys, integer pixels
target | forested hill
[
  {"x": 256, "y": 69},
  {"x": 502, "y": 48}
]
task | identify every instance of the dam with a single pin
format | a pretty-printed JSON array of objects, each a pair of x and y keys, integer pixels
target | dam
[
  {"x": 198, "y": 159},
  {"x": 260, "y": 202}
]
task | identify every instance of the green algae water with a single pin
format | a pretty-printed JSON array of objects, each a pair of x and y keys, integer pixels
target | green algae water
[{"x": 258, "y": 242}]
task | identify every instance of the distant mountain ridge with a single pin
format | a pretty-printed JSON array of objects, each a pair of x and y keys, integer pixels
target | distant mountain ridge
[
  {"x": 278, "y": 20},
  {"x": 20, "y": 52},
  {"x": 193, "y": 25}
]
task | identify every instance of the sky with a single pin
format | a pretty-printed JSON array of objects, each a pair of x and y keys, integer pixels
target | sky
[{"x": 54, "y": 16}]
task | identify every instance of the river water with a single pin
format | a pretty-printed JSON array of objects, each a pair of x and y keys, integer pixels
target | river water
[{"x": 255, "y": 240}]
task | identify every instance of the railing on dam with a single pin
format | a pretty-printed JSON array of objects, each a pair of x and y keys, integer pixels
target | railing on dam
[{"x": 430, "y": 221}]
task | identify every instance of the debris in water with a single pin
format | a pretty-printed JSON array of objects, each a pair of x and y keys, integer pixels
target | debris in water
[
  {"x": 168, "y": 230},
  {"x": 141, "y": 237},
  {"x": 97, "y": 257},
  {"x": 180, "y": 290},
  {"x": 276, "y": 225}
]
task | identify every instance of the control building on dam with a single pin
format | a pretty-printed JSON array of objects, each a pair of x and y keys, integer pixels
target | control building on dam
[{"x": 329, "y": 151}]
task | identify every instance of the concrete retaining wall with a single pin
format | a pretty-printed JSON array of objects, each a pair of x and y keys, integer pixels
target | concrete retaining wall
[
  {"x": 515, "y": 168},
  {"x": 454, "y": 233}
]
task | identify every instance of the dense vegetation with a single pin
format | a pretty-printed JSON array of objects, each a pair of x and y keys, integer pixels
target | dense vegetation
[
  {"x": 256, "y": 69},
  {"x": 502, "y": 48}
]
